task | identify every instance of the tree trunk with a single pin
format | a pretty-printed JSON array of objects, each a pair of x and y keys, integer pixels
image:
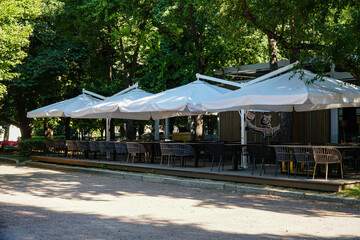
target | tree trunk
[
  {"x": 6, "y": 132},
  {"x": 196, "y": 39},
  {"x": 24, "y": 122},
  {"x": 199, "y": 126},
  {"x": 26, "y": 129},
  {"x": 109, "y": 57},
  {"x": 112, "y": 130},
  {"x": 273, "y": 54},
  {"x": 66, "y": 122},
  {"x": 48, "y": 129},
  {"x": 130, "y": 129}
]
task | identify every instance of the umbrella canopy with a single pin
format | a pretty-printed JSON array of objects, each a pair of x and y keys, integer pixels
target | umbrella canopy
[
  {"x": 181, "y": 101},
  {"x": 63, "y": 108},
  {"x": 109, "y": 108},
  {"x": 288, "y": 92}
]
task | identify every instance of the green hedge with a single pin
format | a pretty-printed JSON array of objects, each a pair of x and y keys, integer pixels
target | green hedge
[{"x": 31, "y": 146}]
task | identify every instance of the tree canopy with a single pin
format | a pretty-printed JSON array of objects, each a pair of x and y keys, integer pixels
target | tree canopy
[{"x": 51, "y": 49}]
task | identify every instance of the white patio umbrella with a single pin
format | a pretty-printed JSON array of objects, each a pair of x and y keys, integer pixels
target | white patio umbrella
[
  {"x": 180, "y": 101},
  {"x": 64, "y": 108},
  {"x": 289, "y": 92},
  {"x": 109, "y": 108}
]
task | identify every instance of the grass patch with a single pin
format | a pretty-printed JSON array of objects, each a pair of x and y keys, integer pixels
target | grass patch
[{"x": 350, "y": 193}]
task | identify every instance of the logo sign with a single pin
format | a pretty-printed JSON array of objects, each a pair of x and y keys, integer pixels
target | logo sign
[{"x": 265, "y": 129}]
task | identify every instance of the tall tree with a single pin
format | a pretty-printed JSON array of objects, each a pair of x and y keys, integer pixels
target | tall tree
[
  {"x": 48, "y": 74},
  {"x": 15, "y": 28}
]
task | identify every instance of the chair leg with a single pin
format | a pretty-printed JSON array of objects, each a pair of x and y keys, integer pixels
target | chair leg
[
  {"x": 212, "y": 163},
  {"x": 220, "y": 160},
  {"x": 326, "y": 170},
  {"x": 288, "y": 169},
  {"x": 253, "y": 166},
  {"x": 342, "y": 171},
  {"x": 276, "y": 167},
  {"x": 314, "y": 170},
  {"x": 262, "y": 166},
  {"x": 296, "y": 168}
]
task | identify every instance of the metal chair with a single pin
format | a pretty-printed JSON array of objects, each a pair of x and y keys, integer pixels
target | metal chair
[
  {"x": 182, "y": 150},
  {"x": 284, "y": 154},
  {"x": 120, "y": 148},
  {"x": 257, "y": 152},
  {"x": 327, "y": 155},
  {"x": 217, "y": 150},
  {"x": 135, "y": 149},
  {"x": 168, "y": 151},
  {"x": 303, "y": 155}
]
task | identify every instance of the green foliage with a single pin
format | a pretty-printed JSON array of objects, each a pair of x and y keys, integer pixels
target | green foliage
[
  {"x": 31, "y": 146},
  {"x": 351, "y": 192},
  {"x": 105, "y": 46},
  {"x": 15, "y": 28}
]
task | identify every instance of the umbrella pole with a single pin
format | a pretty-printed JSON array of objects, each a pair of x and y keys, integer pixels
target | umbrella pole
[
  {"x": 107, "y": 135},
  {"x": 243, "y": 140},
  {"x": 167, "y": 130}
]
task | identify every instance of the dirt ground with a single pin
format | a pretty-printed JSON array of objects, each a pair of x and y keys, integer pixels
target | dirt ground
[{"x": 38, "y": 204}]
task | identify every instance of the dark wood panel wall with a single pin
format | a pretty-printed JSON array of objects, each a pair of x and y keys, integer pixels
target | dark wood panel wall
[{"x": 309, "y": 127}]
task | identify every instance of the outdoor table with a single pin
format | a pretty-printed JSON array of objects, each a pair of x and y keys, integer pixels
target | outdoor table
[{"x": 237, "y": 150}]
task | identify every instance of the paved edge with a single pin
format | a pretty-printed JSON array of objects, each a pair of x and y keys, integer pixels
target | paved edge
[{"x": 189, "y": 182}]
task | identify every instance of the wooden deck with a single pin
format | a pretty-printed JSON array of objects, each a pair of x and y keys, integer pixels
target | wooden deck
[{"x": 241, "y": 176}]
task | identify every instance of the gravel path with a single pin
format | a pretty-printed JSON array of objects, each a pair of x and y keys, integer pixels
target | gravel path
[{"x": 38, "y": 204}]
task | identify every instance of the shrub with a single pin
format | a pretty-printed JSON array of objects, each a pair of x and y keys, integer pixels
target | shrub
[{"x": 31, "y": 146}]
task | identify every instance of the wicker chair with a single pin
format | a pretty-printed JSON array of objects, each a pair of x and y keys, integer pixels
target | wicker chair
[
  {"x": 135, "y": 149},
  {"x": 49, "y": 145},
  {"x": 168, "y": 151},
  {"x": 303, "y": 155},
  {"x": 182, "y": 150},
  {"x": 120, "y": 149},
  {"x": 257, "y": 152},
  {"x": 326, "y": 156},
  {"x": 104, "y": 149},
  {"x": 71, "y": 147},
  {"x": 60, "y": 146},
  {"x": 94, "y": 147},
  {"x": 83, "y": 146},
  {"x": 284, "y": 154}
]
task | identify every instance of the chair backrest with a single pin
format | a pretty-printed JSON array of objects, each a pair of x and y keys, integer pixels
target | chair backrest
[
  {"x": 304, "y": 154},
  {"x": 216, "y": 149},
  {"x": 167, "y": 149},
  {"x": 71, "y": 145},
  {"x": 134, "y": 147},
  {"x": 103, "y": 146},
  {"x": 284, "y": 153},
  {"x": 326, "y": 155},
  {"x": 59, "y": 144},
  {"x": 83, "y": 145},
  {"x": 120, "y": 147},
  {"x": 94, "y": 146},
  {"x": 256, "y": 151},
  {"x": 49, "y": 143},
  {"x": 183, "y": 150},
  {"x": 111, "y": 146}
]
